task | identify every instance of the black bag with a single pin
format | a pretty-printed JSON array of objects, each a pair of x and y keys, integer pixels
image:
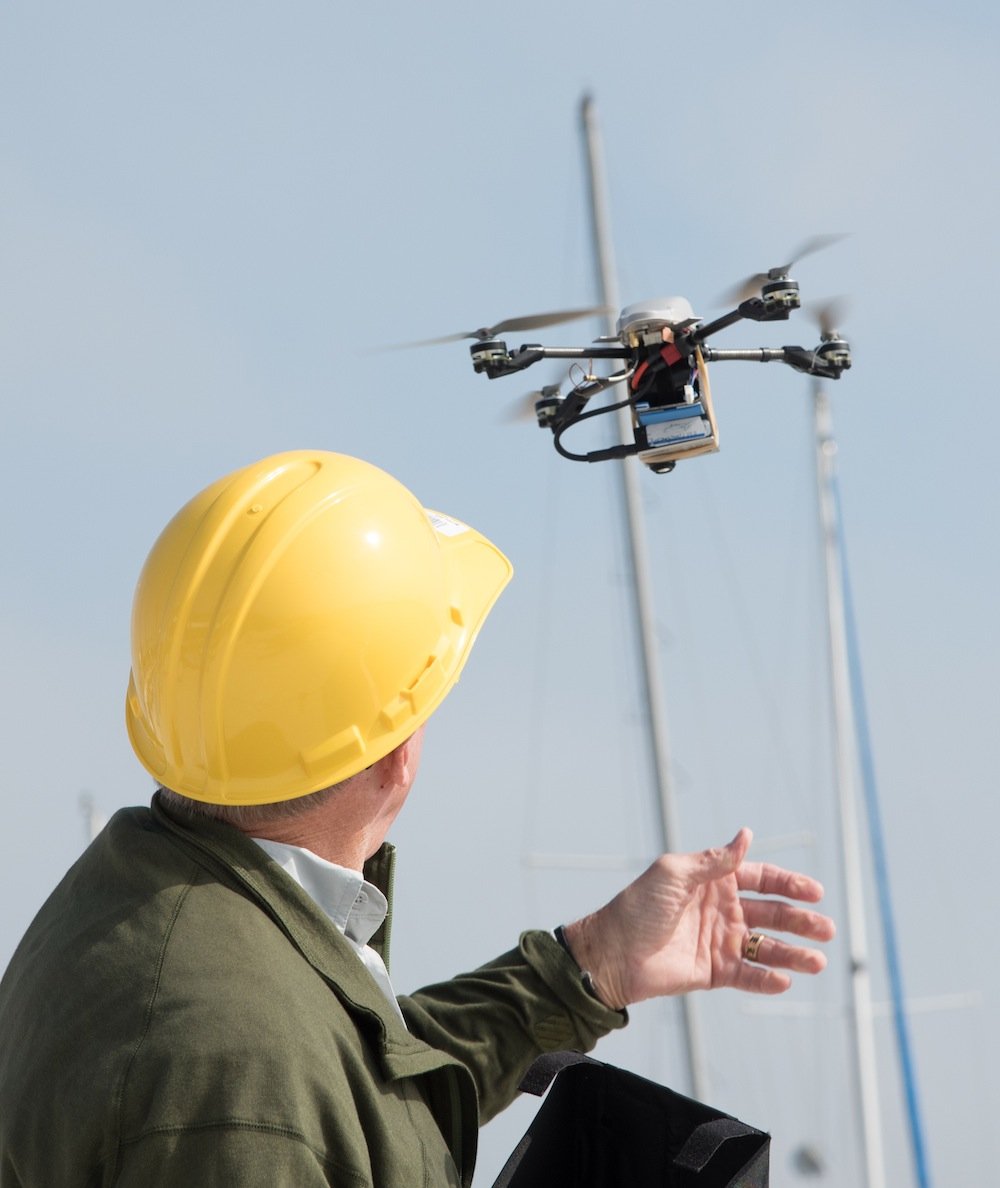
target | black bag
[{"x": 600, "y": 1127}]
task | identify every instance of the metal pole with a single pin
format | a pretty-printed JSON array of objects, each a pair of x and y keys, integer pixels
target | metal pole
[
  {"x": 880, "y": 863},
  {"x": 93, "y": 821},
  {"x": 641, "y": 584},
  {"x": 860, "y": 979}
]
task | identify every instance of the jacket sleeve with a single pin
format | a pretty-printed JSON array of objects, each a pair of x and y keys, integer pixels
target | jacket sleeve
[{"x": 499, "y": 1018}]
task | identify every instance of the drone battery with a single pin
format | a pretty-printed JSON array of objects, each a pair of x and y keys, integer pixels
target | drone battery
[
  {"x": 674, "y": 425},
  {"x": 665, "y": 433}
]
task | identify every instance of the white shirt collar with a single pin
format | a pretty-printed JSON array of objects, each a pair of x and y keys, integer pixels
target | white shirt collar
[{"x": 355, "y": 906}]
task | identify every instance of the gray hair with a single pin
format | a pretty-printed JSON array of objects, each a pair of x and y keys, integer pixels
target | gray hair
[{"x": 247, "y": 817}]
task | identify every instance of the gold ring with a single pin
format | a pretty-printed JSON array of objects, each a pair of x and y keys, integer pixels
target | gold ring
[{"x": 752, "y": 945}]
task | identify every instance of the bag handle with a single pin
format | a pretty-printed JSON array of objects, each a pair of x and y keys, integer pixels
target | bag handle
[
  {"x": 706, "y": 1139},
  {"x": 545, "y": 1068}
]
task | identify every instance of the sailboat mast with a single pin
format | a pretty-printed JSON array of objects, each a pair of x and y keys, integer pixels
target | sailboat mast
[
  {"x": 862, "y": 1016},
  {"x": 655, "y": 707}
]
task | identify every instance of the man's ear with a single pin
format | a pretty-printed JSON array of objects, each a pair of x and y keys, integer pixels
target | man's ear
[
  {"x": 394, "y": 766},
  {"x": 409, "y": 753},
  {"x": 399, "y": 766}
]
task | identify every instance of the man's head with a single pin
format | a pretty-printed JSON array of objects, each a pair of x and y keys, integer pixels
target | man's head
[
  {"x": 345, "y": 823},
  {"x": 295, "y": 623}
]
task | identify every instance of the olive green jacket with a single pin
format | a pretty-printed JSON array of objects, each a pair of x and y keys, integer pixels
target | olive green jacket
[{"x": 180, "y": 1012}]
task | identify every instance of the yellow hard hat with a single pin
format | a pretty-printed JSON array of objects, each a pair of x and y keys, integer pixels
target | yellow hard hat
[{"x": 294, "y": 623}]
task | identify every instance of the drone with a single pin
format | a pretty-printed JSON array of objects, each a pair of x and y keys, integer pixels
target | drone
[{"x": 663, "y": 353}]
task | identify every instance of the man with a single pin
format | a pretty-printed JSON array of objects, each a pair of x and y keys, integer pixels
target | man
[{"x": 205, "y": 998}]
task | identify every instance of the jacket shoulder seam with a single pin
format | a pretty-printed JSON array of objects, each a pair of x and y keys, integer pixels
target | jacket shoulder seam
[
  {"x": 148, "y": 1015},
  {"x": 246, "y": 1124}
]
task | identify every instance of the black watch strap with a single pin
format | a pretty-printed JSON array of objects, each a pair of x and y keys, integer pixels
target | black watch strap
[{"x": 585, "y": 977}]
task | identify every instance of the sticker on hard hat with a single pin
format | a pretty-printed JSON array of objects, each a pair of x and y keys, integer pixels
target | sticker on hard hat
[{"x": 446, "y": 525}]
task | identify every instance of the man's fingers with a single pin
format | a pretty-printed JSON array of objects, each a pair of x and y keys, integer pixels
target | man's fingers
[
  {"x": 767, "y": 879},
  {"x": 722, "y": 860},
  {"x": 758, "y": 979},
  {"x": 777, "y": 916},
  {"x": 773, "y": 953}
]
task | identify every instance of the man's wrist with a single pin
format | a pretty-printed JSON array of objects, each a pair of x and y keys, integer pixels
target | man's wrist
[
  {"x": 586, "y": 977},
  {"x": 579, "y": 943}
]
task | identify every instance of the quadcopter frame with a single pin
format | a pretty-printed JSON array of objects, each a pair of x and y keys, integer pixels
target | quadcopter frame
[{"x": 662, "y": 346}]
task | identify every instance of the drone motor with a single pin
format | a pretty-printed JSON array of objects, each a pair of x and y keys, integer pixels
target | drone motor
[
  {"x": 835, "y": 352},
  {"x": 780, "y": 295}
]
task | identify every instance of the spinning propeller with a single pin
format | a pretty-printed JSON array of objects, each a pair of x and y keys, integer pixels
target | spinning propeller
[
  {"x": 529, "y": 322},
  {"x": 752, "y": 285}
]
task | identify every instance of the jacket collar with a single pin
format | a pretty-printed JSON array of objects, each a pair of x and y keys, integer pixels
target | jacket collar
[{"x": 237, "y": 861}]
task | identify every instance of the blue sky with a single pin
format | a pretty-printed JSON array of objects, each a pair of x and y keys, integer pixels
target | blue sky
[{"x": 213, "y": 213}]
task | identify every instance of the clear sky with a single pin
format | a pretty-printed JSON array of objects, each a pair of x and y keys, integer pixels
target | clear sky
[{"x": 213, "y": 212}]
